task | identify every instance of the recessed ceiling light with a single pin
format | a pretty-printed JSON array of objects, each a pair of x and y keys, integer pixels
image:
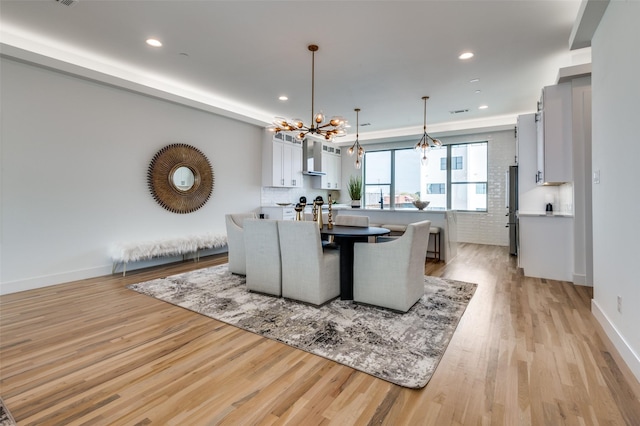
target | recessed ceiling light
[
  {"x": 283, "y": 98},
  {"x": 474, "y": 80},
  {"x": 483, "y": 107},
  {"x": 466, "y": 55},
  {"x": 478, "y": 91},
  {"x": 153, "y": 42}
]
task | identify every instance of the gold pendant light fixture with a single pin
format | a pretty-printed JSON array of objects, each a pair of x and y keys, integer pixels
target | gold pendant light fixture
[
  {"x": 356, "y": 147},
  {"x": 426, "y": 141},
  {"x": 335, "y": 126}
]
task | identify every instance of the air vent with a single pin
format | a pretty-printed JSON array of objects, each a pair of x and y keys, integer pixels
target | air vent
[
  {"x": 67, "y": 2},
  {"x": 365, "y": 124},
  {"x": 459, "y": 111}
]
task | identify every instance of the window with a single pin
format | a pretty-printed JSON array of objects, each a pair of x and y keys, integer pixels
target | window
[
  {"x": 456, "y": 163},
  {"x": 377, "y": 179},
  {"x": 454, "y": 177},
  {"x": 435, "y": 188},
  {"x": 464, "y": 181}
]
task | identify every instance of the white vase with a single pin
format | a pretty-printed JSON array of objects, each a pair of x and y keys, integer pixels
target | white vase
[{"x": 355, "y": 204}]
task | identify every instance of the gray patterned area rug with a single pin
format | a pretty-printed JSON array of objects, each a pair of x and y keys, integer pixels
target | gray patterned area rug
[
  {"x": 401, "y": 348},
  {"x": 6, "y": 419}
]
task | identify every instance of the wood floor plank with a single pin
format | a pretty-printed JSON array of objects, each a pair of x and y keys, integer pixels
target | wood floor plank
[{"x": 527, "y": 351}]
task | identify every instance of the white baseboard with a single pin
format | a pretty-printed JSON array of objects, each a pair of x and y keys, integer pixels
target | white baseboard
[
  {"x": 49, "y": 280},
  {"x": 626, "y": 352},
  {"x": 580, "y": 279},
  {"x": 98, "y": 271}
]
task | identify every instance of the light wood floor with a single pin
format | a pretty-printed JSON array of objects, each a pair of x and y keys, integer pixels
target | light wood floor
[{"x": 527, "y": 351}]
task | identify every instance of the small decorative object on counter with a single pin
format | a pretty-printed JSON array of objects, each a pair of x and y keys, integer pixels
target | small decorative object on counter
[
  {"x": 317, "y": 205},
  {"x": 420, "y": 205},
  {"x": 355, "y": 190},
  {"x": 303, "y": 203},
  {"x": 330, "y": 222},
  {"x": 299, "y": 208}
]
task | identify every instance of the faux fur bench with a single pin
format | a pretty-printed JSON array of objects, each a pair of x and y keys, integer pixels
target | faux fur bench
[{"x": 123, "y": 253}]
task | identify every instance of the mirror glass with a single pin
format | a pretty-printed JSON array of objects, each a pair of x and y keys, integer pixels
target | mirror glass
[{"x": 183, "y": 178}]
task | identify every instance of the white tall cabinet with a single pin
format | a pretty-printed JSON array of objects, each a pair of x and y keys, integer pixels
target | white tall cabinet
[
  {"x": 281, "y": 161},
  {"x": 545, "y": 241},
  {"x": 557, "y": 246},
  {"x": 328, "y": 158}
]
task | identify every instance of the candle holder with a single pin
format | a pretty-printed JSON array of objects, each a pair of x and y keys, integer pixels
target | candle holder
[{"x": 299, "y": 208}]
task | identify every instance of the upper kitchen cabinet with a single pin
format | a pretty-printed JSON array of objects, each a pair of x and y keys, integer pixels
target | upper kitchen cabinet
[
  {"x": 281, "y": 161},
  {"x": 328, "y": 159},
  {"x": 554, "y": 135}
]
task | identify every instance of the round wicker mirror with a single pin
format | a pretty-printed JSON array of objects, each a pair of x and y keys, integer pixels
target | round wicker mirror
[{"x": 180, "y": 178}]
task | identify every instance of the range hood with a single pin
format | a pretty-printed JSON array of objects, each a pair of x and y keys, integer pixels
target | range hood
[{"x": 308, "y": 163}]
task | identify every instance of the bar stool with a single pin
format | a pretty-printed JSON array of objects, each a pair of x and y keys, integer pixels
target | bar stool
[{"x": 434, "y": 230}]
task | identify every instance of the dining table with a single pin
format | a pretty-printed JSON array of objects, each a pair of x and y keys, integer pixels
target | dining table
[{"x": 345, "y": 237}]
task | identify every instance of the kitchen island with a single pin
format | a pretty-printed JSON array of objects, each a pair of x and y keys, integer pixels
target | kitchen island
[{"x": 446, "y": 220}]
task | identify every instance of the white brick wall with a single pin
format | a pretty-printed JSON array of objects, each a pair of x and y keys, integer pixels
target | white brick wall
[{"x": 489, "y": 227}]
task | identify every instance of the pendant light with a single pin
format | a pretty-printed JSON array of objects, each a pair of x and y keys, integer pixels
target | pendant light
[
  {"x": 426, "y": 141},
  {"x": 356, "y": 147}
]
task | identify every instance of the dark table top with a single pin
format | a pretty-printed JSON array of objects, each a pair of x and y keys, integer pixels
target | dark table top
[{"x": 354, "y": 231}]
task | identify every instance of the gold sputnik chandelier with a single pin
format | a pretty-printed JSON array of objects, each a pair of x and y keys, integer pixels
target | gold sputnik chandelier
[
  {"x": 426, "y": 141},
  {"x": 335, "y": 126},
  {"x": 356, "y": 147}
]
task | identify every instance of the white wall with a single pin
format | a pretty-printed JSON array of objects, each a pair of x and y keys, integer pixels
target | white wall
[
  {"x": 75, "y": 155},
  {"x": 476, "y": 227},
  {"x": 616, "y": 154}
]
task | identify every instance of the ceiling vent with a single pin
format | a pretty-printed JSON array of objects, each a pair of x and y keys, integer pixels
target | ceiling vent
[
  {"x": 67, "y": 2},
  {"x": 459, "y": 111},
  {"x": 365, "y": 124}
]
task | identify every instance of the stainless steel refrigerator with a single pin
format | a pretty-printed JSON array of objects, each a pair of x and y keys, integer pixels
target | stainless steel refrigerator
[{"x": 512, "y": 208}]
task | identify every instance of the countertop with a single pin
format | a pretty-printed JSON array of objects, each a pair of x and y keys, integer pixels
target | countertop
[
  {"x": 410, "y": 210},
  {"x": 544, "y": 214}
]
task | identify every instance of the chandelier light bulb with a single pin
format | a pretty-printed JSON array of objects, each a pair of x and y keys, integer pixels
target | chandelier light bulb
[{"x": 350, "y": 151}]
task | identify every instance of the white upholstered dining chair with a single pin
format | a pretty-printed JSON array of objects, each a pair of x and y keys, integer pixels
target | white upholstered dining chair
[
  {"x": 262, "y": 249},
  {"x": 308, "y": 274},
  {"x": 235, "y": 241},
  {"x": 352, "y": 220},
  {"x": 391, "y": 274}
]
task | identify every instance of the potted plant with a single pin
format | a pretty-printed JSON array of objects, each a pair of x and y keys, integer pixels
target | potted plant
[{"x": 355, "y": 190}]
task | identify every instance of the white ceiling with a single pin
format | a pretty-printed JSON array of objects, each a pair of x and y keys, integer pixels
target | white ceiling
[{"x": 381, "y": 56}]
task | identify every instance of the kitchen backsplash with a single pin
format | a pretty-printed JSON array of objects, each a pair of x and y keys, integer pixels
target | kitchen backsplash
[
  {"x": 271, "y": 195},
  {"x": 535, "y": 200}
]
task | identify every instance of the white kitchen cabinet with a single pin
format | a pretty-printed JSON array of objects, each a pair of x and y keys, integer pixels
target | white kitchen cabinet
[
  {"x": 279, "y": 213},
  {"x": 546, "y": 246},
  {"x": 328, "y": 159},
  {"x": 554, "y": 135},
  {"x": 282, "y": 161}
]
